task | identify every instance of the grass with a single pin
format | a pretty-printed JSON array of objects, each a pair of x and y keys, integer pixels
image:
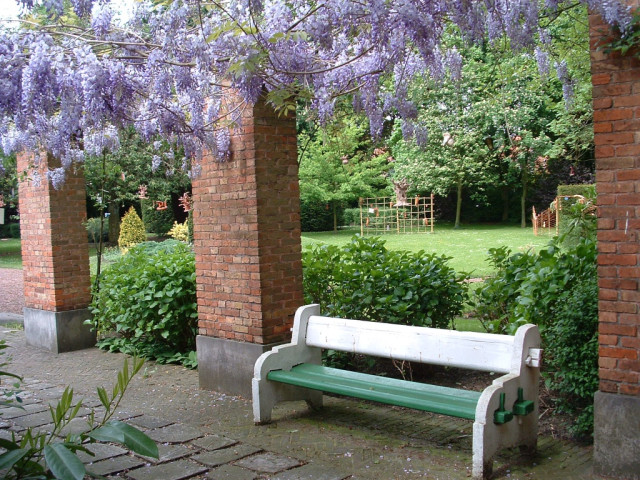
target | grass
[
  {"x": 467, "y": 246},
  {"x": 10, "y": 254}
]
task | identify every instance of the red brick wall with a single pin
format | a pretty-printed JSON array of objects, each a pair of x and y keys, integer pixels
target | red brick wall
[
  {"x": 247, "y": 233},
  {"x": 616, "y": 100},
  {"x": 55, "y": 252}
]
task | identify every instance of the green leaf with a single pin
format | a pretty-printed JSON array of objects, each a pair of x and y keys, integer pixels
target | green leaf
[
  {"x": 63, "y": 463},
  {"x": 134, "y": 439},
  {"x": 104, "y": 399},
  {"x": 107, "y": 433},
  {"x": 10, "y": 458}
]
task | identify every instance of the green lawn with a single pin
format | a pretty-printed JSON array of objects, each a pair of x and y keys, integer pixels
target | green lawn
[
  {"x": 468, "y": 246},
  {"x": 10, "y": 256}
]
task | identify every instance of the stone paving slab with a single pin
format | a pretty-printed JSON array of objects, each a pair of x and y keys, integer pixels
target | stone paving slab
[
  {"x": 101, "y": 451},
  {"x": 114, "y": 465},
  {"x": 176, "y": 433},
  {"x": 231, "y": 472},
  {"x": 225, "y": 455},
  {"x": 213, "y": 442},
  {"x": 268, "y": 462},
  {"x": 310, "y": 472},
  {"x": 178, "y": 470}
]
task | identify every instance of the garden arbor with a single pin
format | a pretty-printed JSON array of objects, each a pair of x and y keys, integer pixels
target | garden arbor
[{"x": 247, "y": 241}]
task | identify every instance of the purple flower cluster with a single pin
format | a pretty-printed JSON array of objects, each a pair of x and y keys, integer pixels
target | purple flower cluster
[{"x": 182, "y": 72}]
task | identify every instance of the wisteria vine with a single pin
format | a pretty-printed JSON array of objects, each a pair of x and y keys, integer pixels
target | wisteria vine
[{"x": 184, "y": 71}]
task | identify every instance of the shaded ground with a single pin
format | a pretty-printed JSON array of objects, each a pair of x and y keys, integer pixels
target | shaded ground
[{"x": 347, "y": 439}]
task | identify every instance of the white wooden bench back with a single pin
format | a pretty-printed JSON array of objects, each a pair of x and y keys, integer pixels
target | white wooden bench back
[{"x": 477, "y": 351}]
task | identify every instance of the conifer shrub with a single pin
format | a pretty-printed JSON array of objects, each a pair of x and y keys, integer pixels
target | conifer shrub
[{"x": 132, "y": 231}]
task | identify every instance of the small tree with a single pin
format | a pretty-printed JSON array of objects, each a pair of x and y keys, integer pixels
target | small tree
[{"x": 132, "y": 230}]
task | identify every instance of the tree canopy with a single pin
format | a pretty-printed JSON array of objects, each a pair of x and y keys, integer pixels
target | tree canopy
[{"x": 69, "y": 84}]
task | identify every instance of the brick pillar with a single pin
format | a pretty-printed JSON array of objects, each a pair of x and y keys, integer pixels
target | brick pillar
[
  {"x": 55, "y": 259},
  {"x": 616, "y": 101},
  {"x": 248, "y": 254}
]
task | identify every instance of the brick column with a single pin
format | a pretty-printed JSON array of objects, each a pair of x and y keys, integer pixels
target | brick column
[
  {"x": 616, "y": 101},
  {"x": 248, "y": 254},
  {"x": 55, "y": 259}
]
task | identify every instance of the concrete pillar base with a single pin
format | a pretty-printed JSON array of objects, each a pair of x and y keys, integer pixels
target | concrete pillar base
[
  {"x": 58, "y": 332},
  {"x": 226, "y": 366},
  {"x": 616, "y": 436}
]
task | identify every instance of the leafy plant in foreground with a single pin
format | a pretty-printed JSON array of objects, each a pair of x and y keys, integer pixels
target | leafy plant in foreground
[
  {"x": 44, "y": 455},
  {"x": 146, "y": 305}
]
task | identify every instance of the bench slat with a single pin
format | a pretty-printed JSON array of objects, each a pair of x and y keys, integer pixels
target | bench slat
[
  {"x": 472, "y": 350},
  {"x": 431, "y": 398}
]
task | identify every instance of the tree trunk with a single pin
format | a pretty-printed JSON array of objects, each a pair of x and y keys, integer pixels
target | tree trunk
[
  {"x": 114, "y": 222},
  {"x": 523, "y": 201},
  {"x": 335, "y": 217},
  {"x": 458, "y": 205}
]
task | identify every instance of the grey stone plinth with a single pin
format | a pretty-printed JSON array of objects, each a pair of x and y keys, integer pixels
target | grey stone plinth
[
  {"x": 226, "y": 366},
  {"x": 58, "y": 332},
  {"x": 616, "y": 450}
]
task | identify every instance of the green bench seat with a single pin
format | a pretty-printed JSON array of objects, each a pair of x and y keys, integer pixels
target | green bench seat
[{"x": 420, "y": 396}]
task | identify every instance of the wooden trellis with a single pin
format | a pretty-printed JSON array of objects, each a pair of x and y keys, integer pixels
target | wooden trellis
[
  {"x": 547, "y": 219},
  {"x": 385, "y": 215}
]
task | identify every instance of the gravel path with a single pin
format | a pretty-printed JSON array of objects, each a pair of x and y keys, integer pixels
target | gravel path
[{"x": 11, "y": 291}]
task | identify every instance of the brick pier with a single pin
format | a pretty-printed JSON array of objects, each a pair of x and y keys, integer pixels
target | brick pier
[
  {"x": 616, "y": 101},
  {"x": 55, "y": 258}
]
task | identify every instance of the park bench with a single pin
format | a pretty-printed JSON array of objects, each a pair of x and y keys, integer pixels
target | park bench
[{"x": 505, "y": 414}]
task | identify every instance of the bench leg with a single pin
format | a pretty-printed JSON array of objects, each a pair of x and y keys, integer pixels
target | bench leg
[
  {"x": 484, "y": 448},
  {"x": 267, "y": 394},
  {"x": 315, "y": 400}
]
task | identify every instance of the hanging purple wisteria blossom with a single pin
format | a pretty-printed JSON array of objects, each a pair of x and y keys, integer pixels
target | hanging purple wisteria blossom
[{"x": 181, "y": 70}]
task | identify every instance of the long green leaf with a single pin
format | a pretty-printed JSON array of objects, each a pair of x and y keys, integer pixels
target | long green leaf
[
  {"x": 136, "y": 440},
  {"x": 9, "y": 459},
  {"x": 107, "y": 433},
  {"x": 62, "y": 463}
]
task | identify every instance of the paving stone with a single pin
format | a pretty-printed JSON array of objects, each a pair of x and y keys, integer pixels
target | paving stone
[
  {"x": 168, "y": 471},
  {"x": 231, "y": 472},
  {"x": 213, "y": 442},
  {"x": 15, "y": 412},
  {"x": 33, "y": 420},
  {"x": 147, "y": 421},
  {"x": 115, "y": 465},
  {"x": 101, "y": 451},
  {"x": 167, "y": 453},
  {"x": 76, "y": 427},
  {"x": 176, "y": 433},
  {"x": 311, "y": 471},
  {"x": 269, "y": 462},
  {"x": 225, "y": 455},
  {"x": 6, "y": 434}
]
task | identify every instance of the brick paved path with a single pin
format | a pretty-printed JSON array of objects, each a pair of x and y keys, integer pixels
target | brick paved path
[{"x": 203, "y": 434}]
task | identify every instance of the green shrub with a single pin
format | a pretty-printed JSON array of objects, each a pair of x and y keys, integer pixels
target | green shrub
[
  {"x": 131, "y": 230},
  {"x": 351, "y": 216},
  {"x": 148, "y": 299},
  {"x": 572, "y": 353},
  {"x": 315, "y": 217},
  {"x": 93, "y": 230},
  {"x": 578, "y": 215},
  {"x": 158, "y": 221},
  {"x": 365, "y": 281},
  {"x": 10, "y": 230},
  {"x": 557, "y": 290}
]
